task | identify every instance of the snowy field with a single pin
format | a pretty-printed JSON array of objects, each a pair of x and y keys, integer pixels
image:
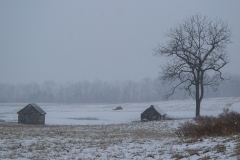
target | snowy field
[
  {"x": 96, "y": 131},
  {"x": 93, "y": 114}
]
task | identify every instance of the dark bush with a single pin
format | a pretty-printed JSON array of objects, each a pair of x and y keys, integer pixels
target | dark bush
[{"x": 225, "y": 124}]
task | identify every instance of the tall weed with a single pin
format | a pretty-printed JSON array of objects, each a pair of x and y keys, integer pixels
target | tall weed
[{"x": 226, "y": 123}]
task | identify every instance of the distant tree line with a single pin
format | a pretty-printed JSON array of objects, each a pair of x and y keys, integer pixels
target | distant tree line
[{"x": 145, "y": 90}]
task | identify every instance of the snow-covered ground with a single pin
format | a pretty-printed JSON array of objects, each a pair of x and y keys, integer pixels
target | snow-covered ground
[
  {"x": 84, "y": 114},
  {"x": 96, "y": 131}
]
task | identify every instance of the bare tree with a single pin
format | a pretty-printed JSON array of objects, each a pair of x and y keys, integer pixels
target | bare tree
[{"x": 196, "y": 50}]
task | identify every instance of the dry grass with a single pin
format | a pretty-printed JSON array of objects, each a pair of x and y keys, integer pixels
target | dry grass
[
  {"x": 151, "y": 140},
  {"x": 205, "y": 158},
  {"x": 225, "y": 124},
  {"x": 54, "y": 141}
]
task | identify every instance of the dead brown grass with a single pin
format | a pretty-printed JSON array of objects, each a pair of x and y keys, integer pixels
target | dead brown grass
[
  {"x": 227, "y": 123},
  {"x": 74, "y": 142},
  {"x": 57, "y": 140}
]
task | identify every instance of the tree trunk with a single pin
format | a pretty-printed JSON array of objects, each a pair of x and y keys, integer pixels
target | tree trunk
[
  {"x": 198, "y": 101},
  {"x": 198, "y": 107}
]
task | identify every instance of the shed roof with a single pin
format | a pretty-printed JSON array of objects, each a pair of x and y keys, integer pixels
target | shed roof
[
  {"x": 35, "y": 106},
  {"x": 158, "y": 109}
]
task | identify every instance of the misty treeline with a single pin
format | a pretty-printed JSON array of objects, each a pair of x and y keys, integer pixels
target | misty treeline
[{"x": 145, "y": 90}]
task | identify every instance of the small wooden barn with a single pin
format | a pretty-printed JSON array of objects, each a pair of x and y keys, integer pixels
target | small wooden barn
[
  {"x": 153, "y": 113},
  {"x": 31, "y": 114}
]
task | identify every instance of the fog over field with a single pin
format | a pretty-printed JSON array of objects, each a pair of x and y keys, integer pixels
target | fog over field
[
  {"x": 145, "y": 90},
  {"x": 106, "y": 40}
]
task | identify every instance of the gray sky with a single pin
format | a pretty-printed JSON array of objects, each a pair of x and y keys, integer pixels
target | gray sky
[{"x": 69, "y": 41}]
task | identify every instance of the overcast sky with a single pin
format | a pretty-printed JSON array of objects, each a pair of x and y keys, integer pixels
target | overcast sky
[{"x": 70, "y": 41}]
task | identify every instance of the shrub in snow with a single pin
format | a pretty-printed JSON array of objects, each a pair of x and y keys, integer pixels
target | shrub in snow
[{"x": 226, "y": 123}]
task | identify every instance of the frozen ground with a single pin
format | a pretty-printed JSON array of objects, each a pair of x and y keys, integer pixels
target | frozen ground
[
  {"x": 96, "y": 131},
  {"x": 83, "y": 114}
]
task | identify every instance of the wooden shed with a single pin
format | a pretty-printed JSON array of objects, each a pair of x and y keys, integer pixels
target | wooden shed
[
  {"x": 153, "y": 113},
  {"x": 31, "y": 114}
]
